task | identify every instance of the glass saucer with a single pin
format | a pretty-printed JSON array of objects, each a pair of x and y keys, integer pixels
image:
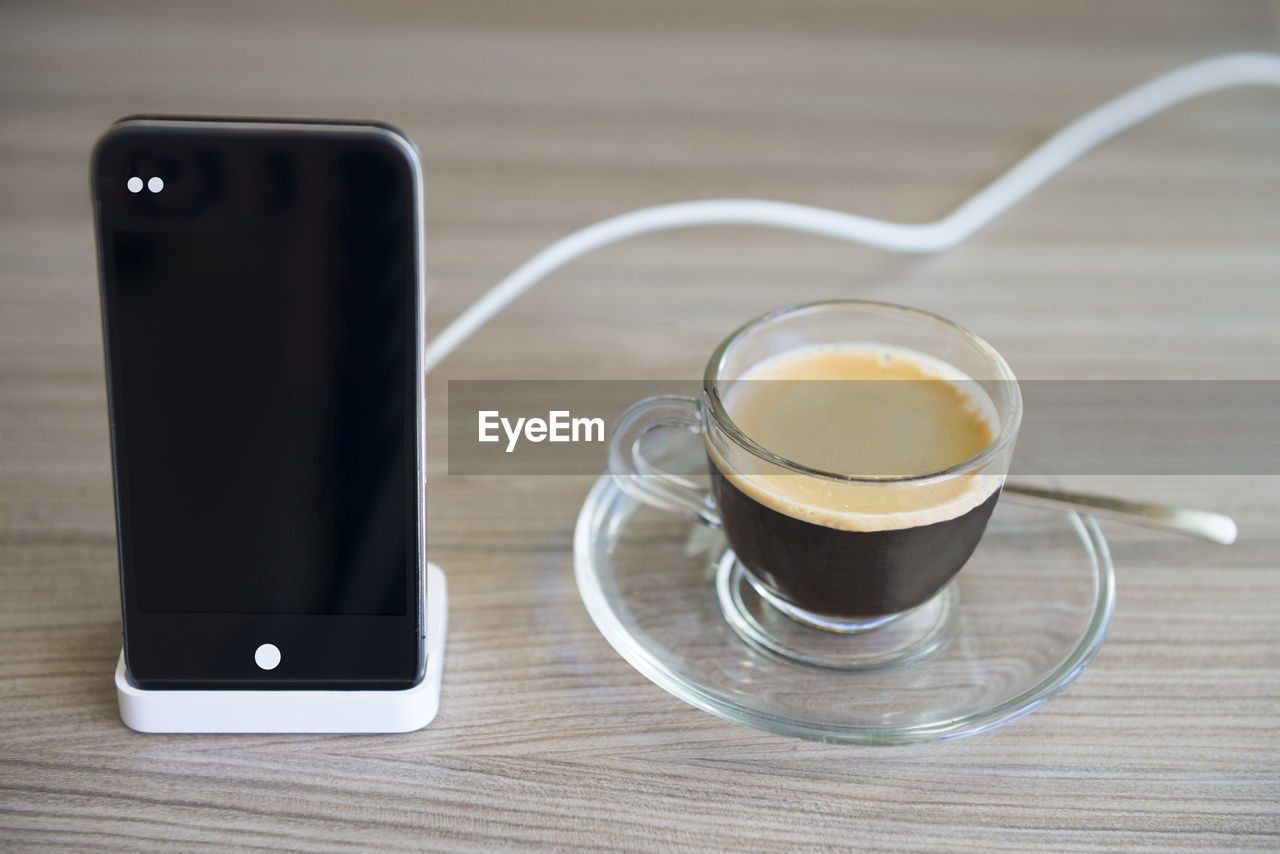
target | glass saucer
[{"x": 1029, "y": 612}]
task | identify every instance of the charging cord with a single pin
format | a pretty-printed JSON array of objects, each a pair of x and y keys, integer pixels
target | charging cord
[{"x": 1104, "y": 122}]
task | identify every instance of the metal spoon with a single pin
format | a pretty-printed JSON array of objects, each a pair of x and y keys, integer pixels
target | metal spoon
[{"x": 1205, "y": 524}]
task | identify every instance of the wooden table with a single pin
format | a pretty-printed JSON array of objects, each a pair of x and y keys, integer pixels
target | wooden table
[{"x": 1156, "y": 256}]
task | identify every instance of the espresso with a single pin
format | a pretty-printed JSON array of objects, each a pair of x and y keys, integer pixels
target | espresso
[
  {"x": 841, "y": 574},
  {"x": 866, "y": 548}
]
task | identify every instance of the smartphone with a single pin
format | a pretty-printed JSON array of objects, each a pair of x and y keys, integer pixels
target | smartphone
[{"x": 262, "y": 308}]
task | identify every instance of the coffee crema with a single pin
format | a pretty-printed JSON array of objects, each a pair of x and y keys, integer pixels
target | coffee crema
[{"x": 866, "y": 410}]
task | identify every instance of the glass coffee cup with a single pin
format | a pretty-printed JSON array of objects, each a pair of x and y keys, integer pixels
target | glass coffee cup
[{"x": 856, "y": 451}]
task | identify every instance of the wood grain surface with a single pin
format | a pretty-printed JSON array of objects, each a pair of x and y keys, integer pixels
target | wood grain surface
[{"x": 1156, "y": 256}]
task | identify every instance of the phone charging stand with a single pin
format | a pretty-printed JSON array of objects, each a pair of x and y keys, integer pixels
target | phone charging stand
[{"x": 297, "y": 711}]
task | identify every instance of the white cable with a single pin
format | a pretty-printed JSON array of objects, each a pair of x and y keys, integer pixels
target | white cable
[{"x": 1104, "y": 122}]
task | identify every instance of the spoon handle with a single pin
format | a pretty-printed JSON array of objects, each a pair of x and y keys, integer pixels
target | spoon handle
[{"x": 1205, "y": 524}]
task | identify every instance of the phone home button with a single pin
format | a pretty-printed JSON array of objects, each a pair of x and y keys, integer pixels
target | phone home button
[{"x": 267, "y": 656}]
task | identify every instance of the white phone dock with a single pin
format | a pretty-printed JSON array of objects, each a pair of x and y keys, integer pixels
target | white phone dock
[{"x": 256, "y": 711}]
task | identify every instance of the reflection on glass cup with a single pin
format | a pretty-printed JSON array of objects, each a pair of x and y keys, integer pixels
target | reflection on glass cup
[{"x": 856, "y": 450}]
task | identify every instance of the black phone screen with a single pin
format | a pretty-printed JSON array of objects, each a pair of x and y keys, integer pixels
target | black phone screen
[{"x": 261, "y": 309}]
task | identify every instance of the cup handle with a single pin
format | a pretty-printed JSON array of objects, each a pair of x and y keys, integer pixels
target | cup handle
[{"x": 642, "y": 480}]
